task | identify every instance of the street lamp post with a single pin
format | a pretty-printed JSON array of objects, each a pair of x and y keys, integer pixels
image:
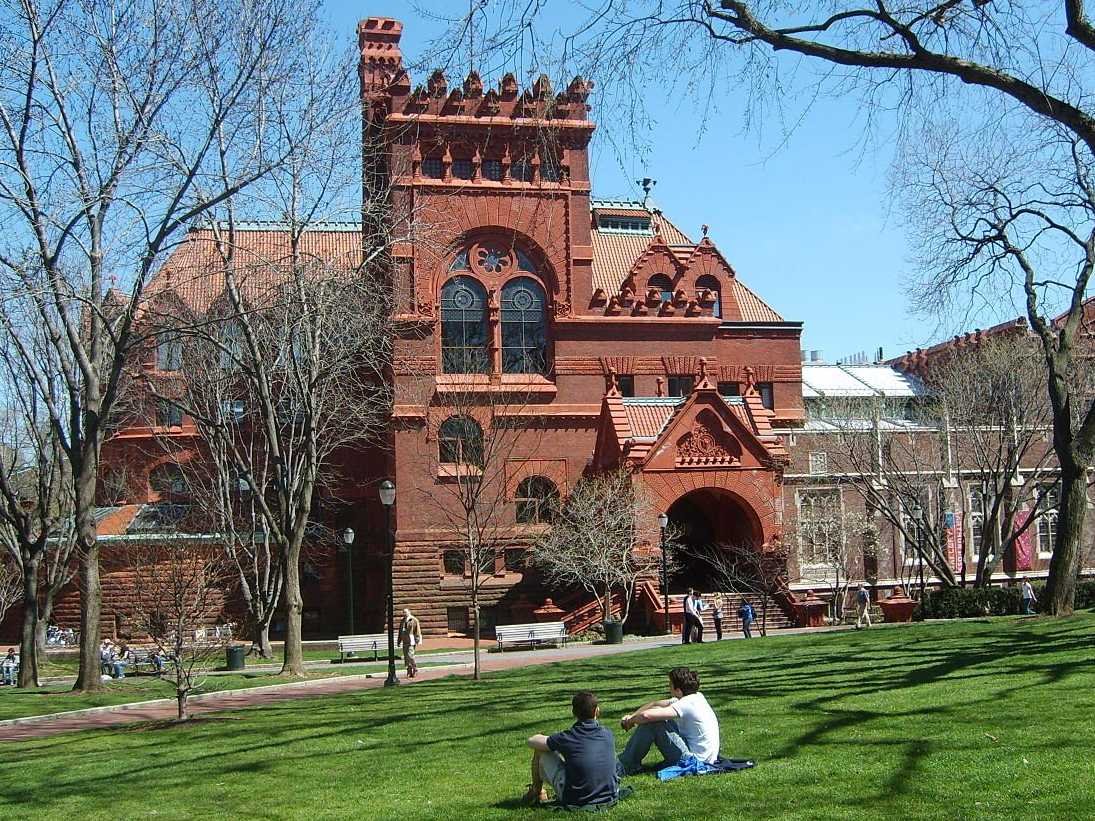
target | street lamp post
[
  {"x": 387, "y": 498},
  {"x": 348, "y": 542},
  {"x": 663, "y": 522}
]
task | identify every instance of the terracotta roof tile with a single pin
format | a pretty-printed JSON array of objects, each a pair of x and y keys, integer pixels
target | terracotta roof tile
[
  {"x": 753, "y": 308},
  {"x": 192, "y": 272},
  {"x": 648, "y": 416}
]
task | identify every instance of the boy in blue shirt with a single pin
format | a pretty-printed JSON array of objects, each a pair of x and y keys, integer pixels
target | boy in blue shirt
[{"x": 579, "y": 763}]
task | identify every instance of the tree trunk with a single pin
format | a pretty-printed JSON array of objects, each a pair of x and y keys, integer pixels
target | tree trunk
[
  {"x": 1064, "y": 567},
  {"x": 89, "y": 677},
  {"x": 40, "y": 635},
  {"x": 260, "y": 640},
  {"x": 475, "y": 631},
  {"x": 183, "y": 706},
  {"x": 293, "y": 663},
  {"x": 28, "y": 645}
]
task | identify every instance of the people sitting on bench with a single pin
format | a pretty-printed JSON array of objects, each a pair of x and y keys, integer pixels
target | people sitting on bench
[
  {"x": 680, "y": 725},
  {"x": 579, "y": 763},
  {"x": 9, "y": 666}
]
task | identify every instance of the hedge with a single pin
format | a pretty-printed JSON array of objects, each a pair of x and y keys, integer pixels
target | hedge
[{"x": 971, "y": 602}]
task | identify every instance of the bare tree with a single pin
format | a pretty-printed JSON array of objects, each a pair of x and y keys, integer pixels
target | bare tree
[
  {"x": 835, "y": 546},
  {"x": 11, "y": 584},
  {"x": 178, "y": 590},
  {"x": 992, "y": 105},
  {"x": 36, "y": 525},
  {"x": 120, "y": 126},
  {"x": 605, "y": 539},
  {"x": 749, "y": 570}
]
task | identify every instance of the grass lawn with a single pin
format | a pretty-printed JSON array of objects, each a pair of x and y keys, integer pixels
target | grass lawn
[
  {"x": 970, "y": 720},
  {"x": 57, "y": 698}
]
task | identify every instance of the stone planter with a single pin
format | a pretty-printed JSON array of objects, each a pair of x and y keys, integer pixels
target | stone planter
[
  {"x": 810, "y": 610},
  {"x": 614, "y": 631},
  {"x": 898, "y": 607}
]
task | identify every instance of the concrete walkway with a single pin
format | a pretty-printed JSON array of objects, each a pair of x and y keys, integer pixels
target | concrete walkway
[{"x": 461, "y": 663}]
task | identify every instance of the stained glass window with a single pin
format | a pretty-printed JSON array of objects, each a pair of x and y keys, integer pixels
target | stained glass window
[
  {"x": 464, "y": 327},
  {"x": 524, "y": 327}
]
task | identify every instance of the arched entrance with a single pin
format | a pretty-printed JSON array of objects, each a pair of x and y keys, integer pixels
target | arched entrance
[{"x": 708, "y": 517}]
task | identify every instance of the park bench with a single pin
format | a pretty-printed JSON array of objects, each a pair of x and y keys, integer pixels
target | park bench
[
  {"x": 375, "y": 643},
  {"x": 540, "y": 633}
]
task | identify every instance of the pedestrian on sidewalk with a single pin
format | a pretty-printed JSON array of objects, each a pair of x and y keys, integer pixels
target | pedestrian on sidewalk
[
  {"x": 1027, "y": 593},
  {"x": 410, "y": 636},
  {"x": 747, "y": 616},
  {"x": 716, "y": 614},
  {"x": 692, "y": 622},
  {"x": 862, "y": 607}
]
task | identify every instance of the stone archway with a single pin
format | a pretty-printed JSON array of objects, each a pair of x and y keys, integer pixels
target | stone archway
[{"x": 709, "y": 516}]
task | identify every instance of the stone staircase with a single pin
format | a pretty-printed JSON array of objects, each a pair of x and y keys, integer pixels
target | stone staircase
[{"x": 777, "y": 618}]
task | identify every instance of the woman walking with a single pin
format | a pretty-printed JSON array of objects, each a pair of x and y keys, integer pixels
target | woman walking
[{"x": 410, "y": 636}]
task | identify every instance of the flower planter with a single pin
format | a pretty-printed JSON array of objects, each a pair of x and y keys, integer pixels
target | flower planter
[{"x": 898, "y": 607}]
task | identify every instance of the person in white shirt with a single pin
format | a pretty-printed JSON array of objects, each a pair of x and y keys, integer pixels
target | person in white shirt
[
  {"x": 683, "y": 724},
  {"x": 693, "y": 625},
  {"x": 410, "y": 636},
  {"x": 1027, "y": 594}
]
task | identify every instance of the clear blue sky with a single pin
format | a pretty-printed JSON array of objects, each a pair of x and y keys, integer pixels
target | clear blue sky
[{"x": 806, "y": 223}]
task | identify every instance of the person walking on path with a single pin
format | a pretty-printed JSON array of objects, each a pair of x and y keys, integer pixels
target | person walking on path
[
  {"x": 747, "y": 616},
  {"x": 862, "y": 607},
  {"x": 680, "y": 725},
  {"x": 692, "y": 622},
  {"x": 1027, "y": 593},
  {"x": 410, "y": 636},
  {"x": 716, "y": 614},
  {"x": 579, "y": 763}
]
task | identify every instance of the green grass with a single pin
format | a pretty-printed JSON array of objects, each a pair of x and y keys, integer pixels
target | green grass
[
  {"x": 58, "y": 698},
  {"x": 970, "y": 720}
]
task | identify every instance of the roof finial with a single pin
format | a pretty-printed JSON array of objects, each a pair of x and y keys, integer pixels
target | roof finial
[
  {"x": 750, "y": 382},
  {"x": 613, "y": 386},
  {"x": 660, "y": 390},
  {"x": 705, "y": 382},
  {"x": 704, "y": 229},
  {"x": 647, "y": 185}
]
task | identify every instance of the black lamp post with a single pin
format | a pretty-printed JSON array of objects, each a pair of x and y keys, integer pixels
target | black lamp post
[
  {"x": 663, "y": 522},
  {"x": 348, "y": 548},
  {"x": 387, "y": 498}
]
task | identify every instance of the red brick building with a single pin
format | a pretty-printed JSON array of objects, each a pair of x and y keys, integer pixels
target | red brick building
[{"x": 628, "y": 340}]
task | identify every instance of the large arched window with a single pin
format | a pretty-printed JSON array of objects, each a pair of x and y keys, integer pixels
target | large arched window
[
  {"x": 460, "y": 442},
  {"x": 664, "y": 285},
  {"x": 709, "y": 283},
  {"x": 524, "y": 327},
  {"x": 537, "y": 501},
  {"x": 464, "y": 336}
]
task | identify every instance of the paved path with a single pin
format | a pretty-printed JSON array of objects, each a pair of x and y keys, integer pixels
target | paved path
[{"x": 22, "y": 729}]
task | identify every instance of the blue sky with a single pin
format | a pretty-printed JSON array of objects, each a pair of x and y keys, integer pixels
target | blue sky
[{"x": 806, "y": 223}]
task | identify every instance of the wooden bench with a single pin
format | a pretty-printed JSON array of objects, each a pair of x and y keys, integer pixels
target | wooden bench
[
  {"x": 375, "y": 643},
  {"x": 539, "y": 633}
]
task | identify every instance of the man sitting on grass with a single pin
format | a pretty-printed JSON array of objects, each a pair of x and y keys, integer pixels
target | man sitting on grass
[
  {"x": 579, "y": 763},
  {"x": 680, "y": 725}
]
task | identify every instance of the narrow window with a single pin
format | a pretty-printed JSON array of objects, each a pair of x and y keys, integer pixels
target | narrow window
[
  {"x": 767, "y": 398},
  {"x": 169, "y": 353},
  {"x": 664, "y": 285},
  {"x": 461, "y": 169},
  {"x": 432, "y": 167},
  {"x": 1047, "y": 520},
  {"x": 460, "y": 442},
  {"x": 626, "y": 384},
  {"x": 464, "y": 327},
  {"x": 168, "y": 414},
  {"x": 819, "y": 462},
  {"x": 521, "y": 170},
  {"x": 514, "y": 559},
  {"x": 168, "y": 480},
  {"x": 537, "y": 500},
  {"x": 524, "y": 327},
  {"x": 492, "y": 170},
  {"x": 453, "y": 562},
  {"x": 680, "y": 385},
  {"x": 729, "y": 389},
  {"x": 709, "y": 283}
]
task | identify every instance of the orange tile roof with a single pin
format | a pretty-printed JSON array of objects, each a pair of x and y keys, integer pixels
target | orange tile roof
[
  {"x": 649, "y": 416},
  {"x": 753, "y": 308},
  {"x": 193, "y": 271}
]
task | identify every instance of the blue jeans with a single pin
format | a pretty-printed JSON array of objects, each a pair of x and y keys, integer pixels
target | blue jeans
[
  {"x": 747, "y": 628},
  {"x": 9, "y": 675},
  {"x": 1028, "y": 607},
  {"x": 662, "y": 733},
  {"x": 119, "y": 669}
]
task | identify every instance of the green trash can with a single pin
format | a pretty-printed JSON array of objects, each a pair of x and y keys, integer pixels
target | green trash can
[
  {"x": 614, "y": 632},
  {"x": 235, "y": 654}
]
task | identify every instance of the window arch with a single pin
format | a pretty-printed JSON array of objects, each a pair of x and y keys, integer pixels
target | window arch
[
  {"x": 664, "y": 285},
  {"x": 460, "y": 442},
  {"x": 464, "y": 337},
  {"x": 524, "y": 327},
  {"x": 537, "y": 500},
  {"x": 168, "y": 480},
  {"x": 709, "y": 283}
]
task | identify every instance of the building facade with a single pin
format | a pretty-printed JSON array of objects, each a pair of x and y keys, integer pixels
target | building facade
[{"x": 601, "y": 332}]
